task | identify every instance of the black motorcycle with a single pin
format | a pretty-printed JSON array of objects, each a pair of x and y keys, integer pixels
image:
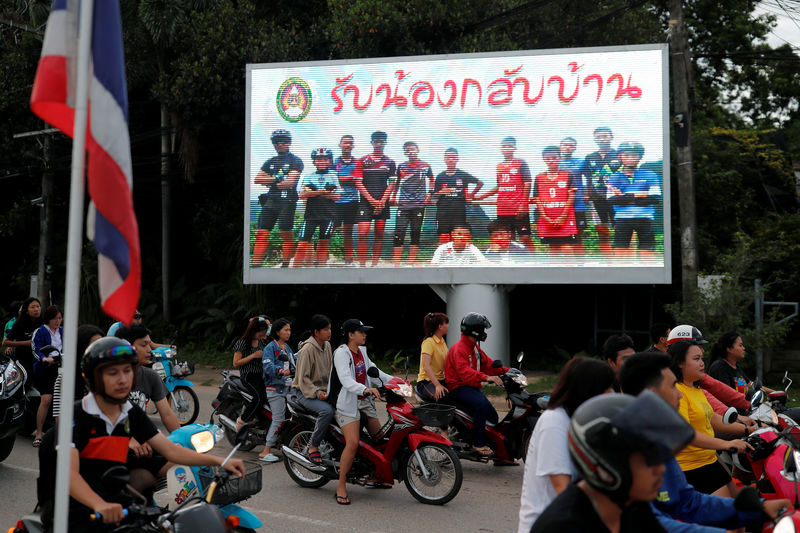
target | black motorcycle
[{"x": 12, "y": 403}]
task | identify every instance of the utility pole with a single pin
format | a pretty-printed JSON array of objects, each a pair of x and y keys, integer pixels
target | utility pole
[
  {"x": 166, "y": 154},
  {"x": 681, "y": 70}
]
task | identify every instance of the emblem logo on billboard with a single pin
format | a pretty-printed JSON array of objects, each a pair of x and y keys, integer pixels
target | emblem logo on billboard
[{"x": 294, "y": 99}]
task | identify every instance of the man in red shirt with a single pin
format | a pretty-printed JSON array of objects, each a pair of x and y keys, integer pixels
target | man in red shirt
[
  {"x": 466, "y": 369},
  {"x": 513, "y": 192}
]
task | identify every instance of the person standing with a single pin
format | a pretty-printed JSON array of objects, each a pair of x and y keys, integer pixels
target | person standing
[
  {"x": 451, "y": 194},
  {"x": 278, "y": 363},
  {"x": 554, "y": 195},
  {"x": 573, "y": 165},
  {"x": 372, "y": 174},
  {"x": 280, "y": 173},
  {"x": 45, "y": 367},
  {"x": 414, "y": 178},
  {"x": 320, "y": 189},
  {"x": 347, "y": 204},
  {"x": 597, "y": 167},
  {"x": 247, "y": 354}
]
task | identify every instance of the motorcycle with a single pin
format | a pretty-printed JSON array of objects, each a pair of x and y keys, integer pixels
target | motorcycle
[
  {"x": 186, "y": 482},
  {"x": 509, "y": 438},
  {"x": 182, "y": 398},
  {"x": 748, "y": 501},
  {"x": 12, "y": 403},
  {"x": 403, "y": 449}
]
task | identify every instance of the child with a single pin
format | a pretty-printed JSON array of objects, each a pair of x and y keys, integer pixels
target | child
[
  {"x": 554, "y": 195},
  {"x": 320, "y": 189}
]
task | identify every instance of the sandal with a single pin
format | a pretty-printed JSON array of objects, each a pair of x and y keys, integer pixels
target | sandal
[
  {"x": 315, "y": 457},
  {"x": 483, "y": 451},
  {"x": 505, "y": 462},
  {"x": 36, "y": 443},
  {"x": 342, "y": 500}
]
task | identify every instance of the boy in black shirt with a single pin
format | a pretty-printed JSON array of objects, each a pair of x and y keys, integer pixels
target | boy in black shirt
[
  {"x": 450, "y": 191},
  {"x": 372, "y": 175}
]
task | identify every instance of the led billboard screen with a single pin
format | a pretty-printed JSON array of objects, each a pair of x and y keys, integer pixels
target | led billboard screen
[{"x": 519, "y": 167}]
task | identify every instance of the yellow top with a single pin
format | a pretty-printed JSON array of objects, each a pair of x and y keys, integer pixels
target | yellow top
[
  {"x": 437, "y": 349},
  {"x": 694, "y": 407}
]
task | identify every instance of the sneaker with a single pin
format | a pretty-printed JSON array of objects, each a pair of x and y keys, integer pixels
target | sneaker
[{"x": 269, "y": 458}]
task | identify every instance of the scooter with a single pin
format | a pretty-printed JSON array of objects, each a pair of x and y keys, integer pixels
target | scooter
[
  {"x": 509, "y": 438},
  {"x": 12, "y": 403},
  {"x": 187, "y": 482},
  {"x": 748, "y": 501},
  {"x": 182, "y": 398},
  {"x": 403, "y": 449}
]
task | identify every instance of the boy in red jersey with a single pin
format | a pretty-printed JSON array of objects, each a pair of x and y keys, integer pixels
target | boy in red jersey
[
  {"x": 513, "y": 190},
  {"x": 554, "y": 194}
]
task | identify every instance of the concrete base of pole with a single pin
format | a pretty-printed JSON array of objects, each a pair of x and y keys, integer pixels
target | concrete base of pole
[{"x": 489, "y": 300}]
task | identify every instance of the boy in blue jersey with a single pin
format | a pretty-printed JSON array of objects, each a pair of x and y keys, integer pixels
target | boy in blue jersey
[
  {"x": 573, "y": 165},
  {"x": 278, "y": 204},
  {"x": 320, "y": 190},
  {"x": 347, "y": 204},
  {"x": 414, "y": 179},
  {"x": 633, "y": 193}
]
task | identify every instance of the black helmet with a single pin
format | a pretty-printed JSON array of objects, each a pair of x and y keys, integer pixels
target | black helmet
[
  {"x": 105, "y": 352},
  {"x": 280, "y": 136},
  {"x": 475, "y": 325},
  {"x": 607, "y": 429},
  {"x": 685, "y": 332},
  {"x": 321, "y": 153},
  {"x": 635, "y": 147}
]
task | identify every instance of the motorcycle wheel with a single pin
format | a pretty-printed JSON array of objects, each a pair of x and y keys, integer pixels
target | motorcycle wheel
[
  {"x": 184, "y": 402},
  {"x": 6, "y": 445},
  {"x": 298, "y": 441},
  {"x": 232, "y": 411},
  {"x": 444, "y": 469}
]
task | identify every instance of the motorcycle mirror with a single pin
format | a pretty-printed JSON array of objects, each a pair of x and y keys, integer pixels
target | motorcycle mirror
[
  {"x": 757, "y": 399},
  {"x": 497, "y": 363},
  {"x": 747, "y": 500},
  {"x": 373, "y": 372},
  {"x": 520, "y": 357},
  {"x": 115, "y": 479},
  {"x": 730, "y": 416},
  {"x": 47, "y": 350}
]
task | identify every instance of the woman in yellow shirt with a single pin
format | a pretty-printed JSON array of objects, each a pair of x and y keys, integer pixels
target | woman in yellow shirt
[
  {"x": 699, "y": 460},
  {"x": 430, "y": 380}
]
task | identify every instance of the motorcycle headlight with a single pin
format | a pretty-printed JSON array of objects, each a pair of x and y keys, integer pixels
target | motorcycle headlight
[
  {"x": 405, "y": 390},
  {"x": 169, "y": 353},
  {"x": 203, "y": 441},
  {"x": 521, "y": 380},
  {"x": 784, "y": 525}
]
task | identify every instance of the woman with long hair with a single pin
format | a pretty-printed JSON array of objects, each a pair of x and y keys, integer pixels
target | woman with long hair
[
  {"x": 699, "y": 460},
  {"x": 45, "y": 367},
  {"x": 310, "y": 385},
  {"x": 277, "y": 363},
  {"x": 548, "y": 469},
  {"x": 247, "y": 354},
  {"x": 19, "y": 338}
]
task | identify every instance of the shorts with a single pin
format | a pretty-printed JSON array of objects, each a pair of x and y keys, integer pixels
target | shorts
[
  {"x": 309, "y": 227},
  {"x": 346, "y": 213},
  {"x": 46, "y": 381},
  {"x": 516, "y": 224},
  {"x": 280, "y": 211},
  {"x": 152, "y": 464},
  {"x": 559, "y": 241},
  {"x": 449, "y": 215},
  {"x": 405, "y": 218},
  {"x": 580, "y": 220},
  {"x": 707, "y": 479},
  {"x": 366, "y": 213},
  {"x": 624, "y": 228},
  {"x": 365, "y": 406},
  {"x": 602, "y": 211}
]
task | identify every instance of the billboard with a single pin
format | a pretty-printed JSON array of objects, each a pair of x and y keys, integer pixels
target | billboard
[{"x": 547, "y": 166}]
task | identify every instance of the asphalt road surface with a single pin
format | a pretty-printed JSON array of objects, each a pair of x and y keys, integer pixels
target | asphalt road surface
[{"x": 488, "y": 500}]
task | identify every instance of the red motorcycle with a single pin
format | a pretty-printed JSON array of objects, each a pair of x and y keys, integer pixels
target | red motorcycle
[{"x": 402, "y": 450}]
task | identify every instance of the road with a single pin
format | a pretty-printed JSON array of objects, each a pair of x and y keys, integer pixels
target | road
[{"x": 488, "y": 500}]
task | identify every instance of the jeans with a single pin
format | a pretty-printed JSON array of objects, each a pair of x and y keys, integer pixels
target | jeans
[
  {"x": 277, "y": 404},
  {"x": 482, "y": 410},
  {"x": 324, "y": 412}
]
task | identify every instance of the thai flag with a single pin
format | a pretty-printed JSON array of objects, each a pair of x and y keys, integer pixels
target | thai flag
[{"x": 111, "y": 223}]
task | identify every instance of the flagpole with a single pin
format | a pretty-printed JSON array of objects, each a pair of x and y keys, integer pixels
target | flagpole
[{"x": 74, "y": 247}]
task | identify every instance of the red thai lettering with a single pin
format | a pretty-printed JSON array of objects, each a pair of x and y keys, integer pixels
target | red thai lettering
[
  {"x": 526, "y": 89},
  {"x": 354, "y": 88},
  {"x": 494, "y": 97},
  {"x": 391, "y": 99},
  {"x": 510, "y": 73},
  {"x": 561, "y": 84},
  {"x": 574, "y": 66},
  {"x": 453, "y": 92},
  {"x": 597, "y": 78},
  {"x": 340, "y": 83},
  {"x": 625, "y": 89},
  {"x": 465, "y": 85},
  {"x": 420, "y": 87}
]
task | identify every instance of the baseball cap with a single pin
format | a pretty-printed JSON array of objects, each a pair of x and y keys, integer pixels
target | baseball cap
[{"x": 353, "y": 324}]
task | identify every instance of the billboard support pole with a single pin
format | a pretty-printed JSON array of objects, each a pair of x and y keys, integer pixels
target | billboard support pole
[{"x": 489, "y": 300}]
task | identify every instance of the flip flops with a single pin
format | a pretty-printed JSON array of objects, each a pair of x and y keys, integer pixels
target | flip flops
[
  {"x": 342, "y": 500},
  {"x": 315, "y": 457},
  {"x": 484, "y": 451},
  {"x": 36, "y": 443}
]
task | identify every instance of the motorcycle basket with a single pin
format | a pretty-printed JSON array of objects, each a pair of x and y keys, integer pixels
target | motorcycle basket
[
  {"x": 434, "y": 414},
  {"x": 235, "y": 489}
]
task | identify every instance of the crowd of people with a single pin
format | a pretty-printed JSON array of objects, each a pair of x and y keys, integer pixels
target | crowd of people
[{"x": 607, "y": 192}]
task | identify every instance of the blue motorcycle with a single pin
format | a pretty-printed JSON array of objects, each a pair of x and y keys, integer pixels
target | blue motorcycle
[
  {"x": 182, "y": 398},
  {"x": 185, "y": 482}
]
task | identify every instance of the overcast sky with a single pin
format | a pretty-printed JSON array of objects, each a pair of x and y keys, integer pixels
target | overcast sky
[{"x": 788, "y": 28}]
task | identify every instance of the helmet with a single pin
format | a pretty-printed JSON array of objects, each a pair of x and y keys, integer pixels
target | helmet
[
  {"x": 105, "y": 352},
  {"x": 607, "y": 429},
  {"x": 685, "y": 332},
  {"x": 631, "y": 147},
  {"x": 320, "y": 153},
  {"x": 475, "y": 325},
  {"x": 280, "y": 135}
]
